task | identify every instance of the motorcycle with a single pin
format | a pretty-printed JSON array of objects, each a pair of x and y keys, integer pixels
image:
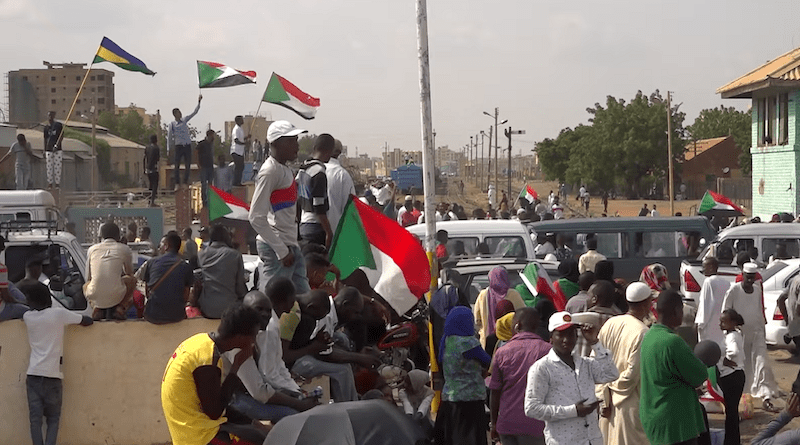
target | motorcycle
[{"x": 404, "y": 347}]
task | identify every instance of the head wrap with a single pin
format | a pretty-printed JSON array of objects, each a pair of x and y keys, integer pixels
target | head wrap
[
  {"x": 460, "y": 323},
  {"x": 503, "y": 327},
  {"x": 498, "y": 288},
  {"x": 444, "y": 299},
  {"x": 503, "y": 307},
  {"x": 655, "y": 276}
]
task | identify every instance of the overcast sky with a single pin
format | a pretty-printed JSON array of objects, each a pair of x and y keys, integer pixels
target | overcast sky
[{"x": 541, "y": 62}]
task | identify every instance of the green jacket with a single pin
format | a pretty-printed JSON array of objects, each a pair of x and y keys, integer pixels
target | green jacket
[{"x": 669, "y": 407}]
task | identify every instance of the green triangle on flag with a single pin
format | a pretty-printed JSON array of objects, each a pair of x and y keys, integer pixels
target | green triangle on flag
[
  {"x": 217, "y": 207},
  {"x": 207, "y": 73},
  {"x": 275, "y": 93},
  {"x": 350, "y": 248}
]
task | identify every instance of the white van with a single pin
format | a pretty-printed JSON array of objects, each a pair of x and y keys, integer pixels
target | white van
[
  {"x": 24, "y": 206},
  {"x": 494, "y": 238}
]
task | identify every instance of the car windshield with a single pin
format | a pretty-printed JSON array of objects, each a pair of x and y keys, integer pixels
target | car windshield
[{"x": 773, "y": 268}]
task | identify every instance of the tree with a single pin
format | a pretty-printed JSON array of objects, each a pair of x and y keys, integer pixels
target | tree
[
  {"x": 108, "y": 120},
  {"x": 722, "y": 121},
  {"x": 624, "y": 146}
]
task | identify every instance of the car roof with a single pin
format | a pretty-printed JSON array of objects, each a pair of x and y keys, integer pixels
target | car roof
[
  {"x": 615, "y": 223},
  {"x": 486, "y": 264},
  {"x": 474, "y": 226},
  {"x": 762, "y": 229}
]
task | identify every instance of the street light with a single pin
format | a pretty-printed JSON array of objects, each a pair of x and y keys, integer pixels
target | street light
[
  {"x": 508, "y": 134},
  {"x": 495, "y": 115}
]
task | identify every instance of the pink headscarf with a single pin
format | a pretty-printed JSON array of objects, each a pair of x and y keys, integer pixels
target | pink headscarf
[
  {"x": 498, "y": 288},
  {"x": 655, "y": 276}
]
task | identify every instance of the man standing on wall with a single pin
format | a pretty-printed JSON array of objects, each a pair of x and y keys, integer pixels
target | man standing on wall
[
  {"x": 152, "y": 153},
  {"x": 179, "y": 139},
  {"x": 237, "y": 150},
  {"x": 53, "y": 133},
  {"x": 22, "y": 163}
]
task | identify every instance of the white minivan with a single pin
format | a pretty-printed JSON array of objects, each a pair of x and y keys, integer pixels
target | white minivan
[{"x": 480, "y": 238}]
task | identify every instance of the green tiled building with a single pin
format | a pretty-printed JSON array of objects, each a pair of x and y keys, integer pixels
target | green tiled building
[{"x": 774, "y": 89}]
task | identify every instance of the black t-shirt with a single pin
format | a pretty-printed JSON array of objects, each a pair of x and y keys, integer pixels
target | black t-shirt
[
  {"x": 205, "y": 153},
  {"x": 302, "y": 334},
  {"x": 52, "y": 132},
  {"x": 151, "y": 156}
]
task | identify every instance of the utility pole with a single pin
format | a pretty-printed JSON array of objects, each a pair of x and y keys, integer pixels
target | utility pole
[
  {"x": 489, "y": 155},
  {"x": 480, "y": 183},
  {"x": 386, "y": 158},
  {"x": 508, "y": 134},
  {"x": 669, "y": 156}
]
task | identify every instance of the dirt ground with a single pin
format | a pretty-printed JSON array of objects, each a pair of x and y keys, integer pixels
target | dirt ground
[{"x": 474, "y": 197}]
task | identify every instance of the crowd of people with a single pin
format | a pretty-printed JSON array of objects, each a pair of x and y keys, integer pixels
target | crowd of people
[{"x": 596, "y": 361}]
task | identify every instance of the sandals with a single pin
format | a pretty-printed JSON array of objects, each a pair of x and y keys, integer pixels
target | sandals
[{"x": 769, "y": 407}]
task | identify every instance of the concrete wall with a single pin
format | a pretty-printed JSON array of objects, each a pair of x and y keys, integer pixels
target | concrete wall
[
  {"x": 776, "y": 168},
  {"x": 112, "y": 381}
]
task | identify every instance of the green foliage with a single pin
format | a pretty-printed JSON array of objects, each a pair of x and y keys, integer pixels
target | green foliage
[
  {"x": 624, "y": 144},
  {"x": 722, "y": 121},
  {"x": 306, "y": 142},
  {"x": 109, "y": 120},
  {"x": 103, "y": 153}
]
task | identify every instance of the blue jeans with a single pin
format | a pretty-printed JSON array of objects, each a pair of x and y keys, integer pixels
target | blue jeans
[
  {"x": 343, "y": 384},
  {"x": 44, "y": 400},
  {"x": 252, "y": 408},
  {"x": 273, "y": 267},
  {"x": 312, "y": 233},
  {"x": 206, "y": 178},
  {"x": 185, "y": 152}
]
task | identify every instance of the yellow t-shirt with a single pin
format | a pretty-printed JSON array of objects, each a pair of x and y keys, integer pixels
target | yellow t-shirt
[{"x": 188, "y": 424}]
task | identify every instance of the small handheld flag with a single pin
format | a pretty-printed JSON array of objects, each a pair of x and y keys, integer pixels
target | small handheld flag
[
  {"x": 284, "y": 93},
  {"x": 217, "y": 75},
  {"x": 111, "y": 52},
  {"x": 224, "y": 204}
]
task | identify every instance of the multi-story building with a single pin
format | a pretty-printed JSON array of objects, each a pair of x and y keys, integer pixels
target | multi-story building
[{"x": 32, "y": 93}]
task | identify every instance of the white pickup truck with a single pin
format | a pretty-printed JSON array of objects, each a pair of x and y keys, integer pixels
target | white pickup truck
[{"x": 760, "y": 239}]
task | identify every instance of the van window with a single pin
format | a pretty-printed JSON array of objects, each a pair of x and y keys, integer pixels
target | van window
[
  {"x": 770, "y": 245},
  {"x": 506, "y": 246},
  {"x": 462, "y": 246},
  {"x": 660, "y": 244},
  {"x": 726, "y": 250},
  {"x": 611, "y": 245}
]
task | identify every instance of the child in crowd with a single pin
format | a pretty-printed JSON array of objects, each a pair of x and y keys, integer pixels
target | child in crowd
[
  {"x": 731, "y": 373},
  {"x": 46, "y": 337},
  {"x": 415, "y": 396},
  {"x": 317, "y": 269},
  {"x": 462, "y": 416}
]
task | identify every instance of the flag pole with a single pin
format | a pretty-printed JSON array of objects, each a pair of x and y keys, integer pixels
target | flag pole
[
  {"x": 428, "y": 181},
  {"x": 74, "y": 101},
  {"x": 253, "y": 122}
]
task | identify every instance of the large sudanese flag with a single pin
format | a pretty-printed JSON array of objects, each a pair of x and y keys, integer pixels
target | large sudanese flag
[
  {"x": 111, "y": 52},
  {"x": 716, "y": 204},
  {"x": 224, "y": 204},
  {"x": 217, "y": 75},
  {"x": 284, "y": 93},
  {"x": 528, "y": 194},
  {"x": 538, "y": 283},
  {"x": 391, "y": 257}
]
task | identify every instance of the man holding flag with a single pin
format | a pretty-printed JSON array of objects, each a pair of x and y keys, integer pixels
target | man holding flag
[
  {"x": 273, "y": 209},
  {"x": 179, "y": 141}
]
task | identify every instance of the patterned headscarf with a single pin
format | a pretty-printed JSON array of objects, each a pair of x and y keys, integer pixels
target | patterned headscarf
[
  {"x": 498, "y": 288},
  {"x": 655, "y": 276},
  {"x": 460, "y": 323}
]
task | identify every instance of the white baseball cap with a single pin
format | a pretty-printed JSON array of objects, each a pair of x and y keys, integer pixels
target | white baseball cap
[
  {"x": 409, "y": 198},
  {"x": 637, "y": 292},
  {"x": 279, "y": 129},
  {"x": 559, "y": 321}
]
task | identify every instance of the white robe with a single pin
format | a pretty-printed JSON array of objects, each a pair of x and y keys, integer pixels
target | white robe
[
  {"x": 709, "y": 307},
  {"x": 757, "y": 370}
]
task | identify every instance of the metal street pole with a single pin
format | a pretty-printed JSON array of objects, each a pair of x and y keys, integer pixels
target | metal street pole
[
  {"x": 483, "y": 136},
  {"x": 669, "y": 156},
  {"x": 508, "y": 134},
  {"x": 489, "y": 155}
]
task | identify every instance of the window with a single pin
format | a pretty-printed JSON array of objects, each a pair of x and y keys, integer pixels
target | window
[
  {"x": 783, "y": 119},
  {"x": 52, "y": 101},
  {"x": 659, "y": 245},
  {"x": 91, "y": 78},
  {"x": 78, "y": 101},
  {"x": 101, "y": 77},
  {"x": 24, "y": 77},
  {"x": 53, "y": 79},
  {"x": 769, "y": 246},
  {"x": 773, "y": 120},
  {"x": 78, "y": 78},
  {"x": 506, "y": 246},
  {"x": 92, "y": 89},
  {"x": 611, "y": 245},
  {"x": 52, "y": 90},
  {"x": 101, "y": 89},
  {"x": 101, "y": 100}
]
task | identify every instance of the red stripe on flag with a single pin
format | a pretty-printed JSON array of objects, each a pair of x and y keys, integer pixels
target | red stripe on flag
[
  {"x": 297, "y": 93},
  {"x": 214, "y": 64},
  {"x": 230, "y": 199},
  {"x": 393, "y": 240},
  {"x": 722, "y": 199},
  {"x": 247, "y": 73}
]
